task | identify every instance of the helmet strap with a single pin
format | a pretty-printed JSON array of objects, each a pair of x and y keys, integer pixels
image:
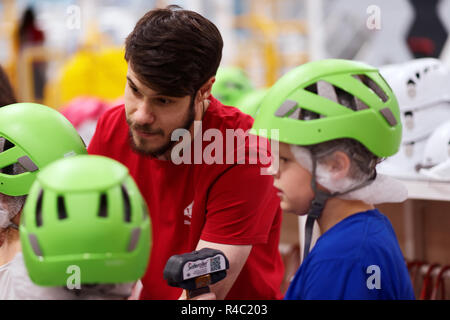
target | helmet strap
[
  {"x": 319, "y": 202},
  {"x": 13, "y": 225}
]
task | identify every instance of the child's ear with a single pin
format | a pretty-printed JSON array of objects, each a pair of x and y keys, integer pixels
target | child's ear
[{"x": 339, "y": 164}]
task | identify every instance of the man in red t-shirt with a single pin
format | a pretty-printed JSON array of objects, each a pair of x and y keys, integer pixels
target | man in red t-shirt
[{"x": 172, "y": 57}]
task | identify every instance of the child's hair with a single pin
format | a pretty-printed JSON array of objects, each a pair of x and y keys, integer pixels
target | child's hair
[{"x": 363, "y": 162}]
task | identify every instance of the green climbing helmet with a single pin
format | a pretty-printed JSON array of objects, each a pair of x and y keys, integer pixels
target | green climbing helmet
[
  {"x": 33, "y": 135},
  {"x": 250, "y": 102},
  {"x": 331, "y": 99},
  {"x": 85, "y": 213},
  {"x": 230, "y": 85}
]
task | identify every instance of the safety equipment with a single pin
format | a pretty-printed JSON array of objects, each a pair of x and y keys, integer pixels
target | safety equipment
[
  {"x": 326, "y": 100},
  {"x": 85, "y": 215},
  {"x": 231, "y": 84},
  {"x": 404, "y": 163},
  {"x": 303, "y": 105},
  {"x": 383, "y": 189},
  {"x": 435, "y": 163},
  {"x": 422, "y": 87},
  {"x": 250, "y": 102},
  {"x": 32, "y": 135}
]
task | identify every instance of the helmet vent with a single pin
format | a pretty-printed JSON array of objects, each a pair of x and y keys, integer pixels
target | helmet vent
[
  {"x": 373, "y": 86},
  {"x": 39, "y": 209},
  {"x": 295, "y": 114},
  {"x": 307, "y": 115},
  {"x": 290, "y": 108},
  {"x": 4, "y": 146},
  {"x": 62, "y": 213},
  {"x": 287, "y": 107},
  {"x": 389, "y": 116},
  {"x": 336, "y": 94},
  {"x": 35, "y": 245},
  {"x": 103, "y": 210},
  {"x": 134, "y": 240},
  {"x": 232, "y": 85},
  {"x": 326, "y": 90},
  {"x": 126, "y": 204},
  {"x": 27, "y": 163}
]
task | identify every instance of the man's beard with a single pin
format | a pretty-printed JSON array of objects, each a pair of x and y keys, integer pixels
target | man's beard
[{"x": 169, "y": 144}]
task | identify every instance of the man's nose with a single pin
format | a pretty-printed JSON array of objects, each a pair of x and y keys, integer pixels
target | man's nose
[{"x": 144, "y": 114}]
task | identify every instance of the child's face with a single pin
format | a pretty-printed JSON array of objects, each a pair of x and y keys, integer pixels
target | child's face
[{"x": 294, "y": 183}]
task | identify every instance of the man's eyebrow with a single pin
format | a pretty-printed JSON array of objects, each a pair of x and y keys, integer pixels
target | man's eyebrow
[
  {"x": 131, "y": 82},
  {"x": 157, "y": 94}
]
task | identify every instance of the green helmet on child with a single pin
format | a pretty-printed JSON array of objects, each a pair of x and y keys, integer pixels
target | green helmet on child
[
  {"x": 231, "y": 84},
  {"x": 33, "y": 136},
  {"x": 85, "y": 211},
  {"x": 332, "y": 99}
]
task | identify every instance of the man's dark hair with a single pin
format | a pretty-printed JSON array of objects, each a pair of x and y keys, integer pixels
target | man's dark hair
[
  {"x": 6, "y": 92},
  {"x": 174, "y": 51}
]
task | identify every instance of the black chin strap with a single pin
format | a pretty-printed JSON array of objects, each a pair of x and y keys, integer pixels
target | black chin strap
[
  {"x": 14, "y": 226},
  {"x": 318, "y": 204}
]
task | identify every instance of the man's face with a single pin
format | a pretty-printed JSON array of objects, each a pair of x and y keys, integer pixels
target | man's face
[
  {"x": 152, "y": 117},
  {"x": 293, "y": 183}
]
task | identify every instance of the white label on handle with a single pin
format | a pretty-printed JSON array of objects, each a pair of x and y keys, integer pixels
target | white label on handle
[{"x": 197, "y": 268}]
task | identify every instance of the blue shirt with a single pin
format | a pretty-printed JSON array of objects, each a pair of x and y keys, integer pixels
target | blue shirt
[{"x": 358, "y": 258}]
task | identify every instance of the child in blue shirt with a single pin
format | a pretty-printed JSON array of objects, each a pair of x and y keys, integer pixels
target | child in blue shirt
[{"x": 335, "y": 120}]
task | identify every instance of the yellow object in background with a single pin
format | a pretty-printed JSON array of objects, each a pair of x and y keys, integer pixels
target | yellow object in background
[{"x": 100, "y": 74}]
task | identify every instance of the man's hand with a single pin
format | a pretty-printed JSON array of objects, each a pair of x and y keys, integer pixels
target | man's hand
[{"x": 205, "y": 296}]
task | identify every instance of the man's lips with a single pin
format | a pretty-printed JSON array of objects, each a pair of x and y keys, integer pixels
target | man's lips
[{"x": 146, "y": 134}]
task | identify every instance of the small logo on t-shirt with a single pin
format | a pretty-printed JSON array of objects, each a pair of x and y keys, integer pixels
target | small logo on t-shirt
[{"x": 188, "y": 213}]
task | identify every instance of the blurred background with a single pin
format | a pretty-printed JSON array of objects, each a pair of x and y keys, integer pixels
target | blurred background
[
  {"x": 58, "y": 44},
  {"x": 68, "y": 54}
]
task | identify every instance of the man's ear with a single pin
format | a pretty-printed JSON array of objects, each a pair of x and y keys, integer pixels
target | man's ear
[
  {"x": 338, "y": 164},
  {"x": 205, "y": 89}
]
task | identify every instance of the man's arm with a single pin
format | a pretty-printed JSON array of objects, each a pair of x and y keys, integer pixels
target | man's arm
[{"x": 236, "y": 255}]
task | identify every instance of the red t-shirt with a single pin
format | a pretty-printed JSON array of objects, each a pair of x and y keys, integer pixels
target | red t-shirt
[{"x": 221, "y": 203}]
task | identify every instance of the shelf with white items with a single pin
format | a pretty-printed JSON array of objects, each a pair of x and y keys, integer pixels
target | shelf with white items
[{"x": 427, "y": 189}]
